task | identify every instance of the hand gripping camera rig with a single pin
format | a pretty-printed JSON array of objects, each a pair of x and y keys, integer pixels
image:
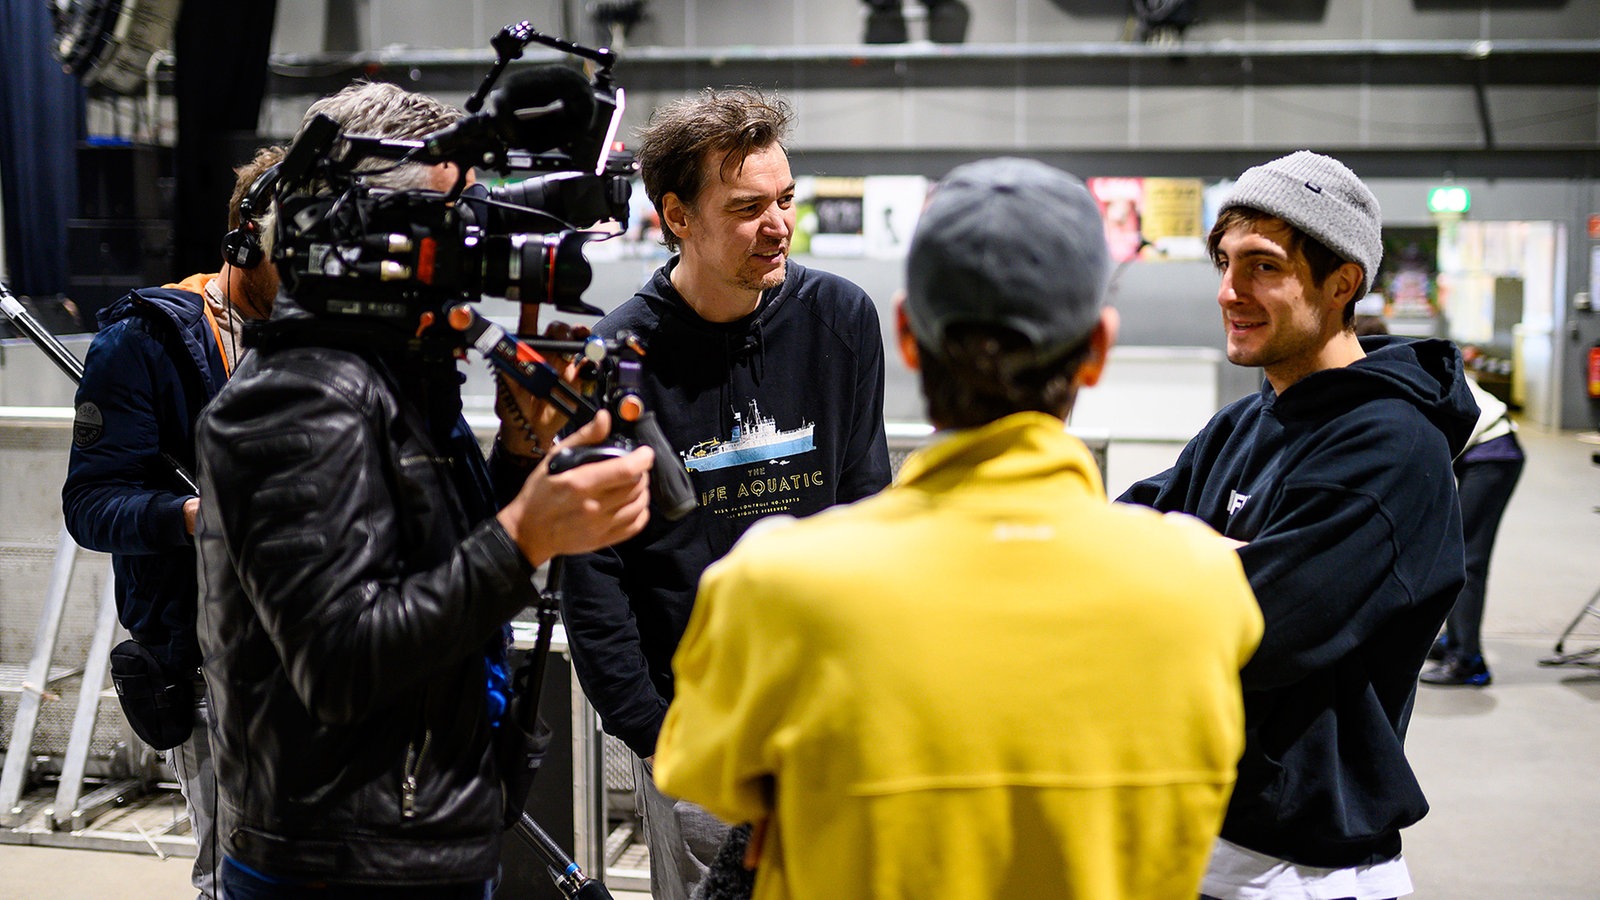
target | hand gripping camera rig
[{"x": 613, "y": 367}]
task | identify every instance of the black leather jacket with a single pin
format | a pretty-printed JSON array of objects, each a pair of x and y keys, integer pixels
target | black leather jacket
[{"x": 348, "y": 600}]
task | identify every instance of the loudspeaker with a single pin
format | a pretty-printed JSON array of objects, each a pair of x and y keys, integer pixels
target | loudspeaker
[
  {"x": 124, "y": 181},
  {"x": 138, "y": 249},
  {"x": 122, "y": 238},
  {"x": 106, "y": 260}
]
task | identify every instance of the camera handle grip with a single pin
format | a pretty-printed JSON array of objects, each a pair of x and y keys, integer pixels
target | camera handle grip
[
  {"x": 670, "y": 489},
  {"x": 520, "y": 362},
  {"x": 669, "y": 481},
  {"x": 572, "y": 457}
]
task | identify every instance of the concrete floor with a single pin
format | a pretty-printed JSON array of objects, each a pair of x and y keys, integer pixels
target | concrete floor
[{"x": 1511, "y": 770}]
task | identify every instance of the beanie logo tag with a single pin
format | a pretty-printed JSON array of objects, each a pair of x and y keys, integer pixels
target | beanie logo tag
[{"x": 1315, "y": 189}]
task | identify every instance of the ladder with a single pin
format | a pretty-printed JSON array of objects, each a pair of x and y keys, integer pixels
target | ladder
[{"x": 72, "y": 809}]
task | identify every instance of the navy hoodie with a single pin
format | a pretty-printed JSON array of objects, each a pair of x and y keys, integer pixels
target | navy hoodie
[
  {"x": 780, "y": 412},
  {"x": 1342, "y": 491},
  {"x": 148, "y": 372}
]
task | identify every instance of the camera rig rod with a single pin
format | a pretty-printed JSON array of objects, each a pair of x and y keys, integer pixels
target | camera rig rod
[
  {"x": 517, "y": 359},
  {"x": 569, "y": 877},
  {"x": 509, "y": 43},
  {"x": 70, "y": 364},
  {"x": 507, "y": 46},
  {"x": 41, "y": 336}
]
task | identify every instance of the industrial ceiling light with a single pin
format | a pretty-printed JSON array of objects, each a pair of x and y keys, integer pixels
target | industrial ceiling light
[
  {"x": 946, "y": 20},
  {"x": 616, "y": 18},
  {"x": 1162, "y": 21},
  {"x": 886, "y": 22},
  {"x": 109, "y": 44}
]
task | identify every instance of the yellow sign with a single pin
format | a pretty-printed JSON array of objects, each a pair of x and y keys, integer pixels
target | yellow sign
[{"x": 1172, "y": 208}]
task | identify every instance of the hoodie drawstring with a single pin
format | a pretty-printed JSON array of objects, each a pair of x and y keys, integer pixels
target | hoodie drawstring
[{"x": 759, "y": 368}]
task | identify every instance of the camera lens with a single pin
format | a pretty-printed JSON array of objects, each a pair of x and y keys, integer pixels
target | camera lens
[{"x": 537, "y": 268}]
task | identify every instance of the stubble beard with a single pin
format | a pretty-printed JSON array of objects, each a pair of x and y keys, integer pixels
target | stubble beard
[{"x": 767, "y": 280}]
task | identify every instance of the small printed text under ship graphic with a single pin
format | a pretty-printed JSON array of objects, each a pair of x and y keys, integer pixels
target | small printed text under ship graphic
[{"x": 754, "y": 438}]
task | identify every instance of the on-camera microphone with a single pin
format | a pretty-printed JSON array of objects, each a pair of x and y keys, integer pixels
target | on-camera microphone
[{"x": 534, "y": 110}]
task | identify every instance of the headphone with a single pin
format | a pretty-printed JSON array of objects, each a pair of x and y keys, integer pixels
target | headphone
[{"x": 241, "y": 247}]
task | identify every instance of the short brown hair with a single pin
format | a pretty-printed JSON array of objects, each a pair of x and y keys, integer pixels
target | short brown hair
[
  {"x": 245, "y": 177},
  {"x": 983, "y": 373},
  {"x": 1322, "y": 261},
  {"x": 733, "y": 122}
]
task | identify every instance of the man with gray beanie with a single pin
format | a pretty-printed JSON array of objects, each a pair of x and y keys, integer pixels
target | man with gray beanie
[
  {"x": 1335, "y": 480},
  {"x": 985, "y": 681}
]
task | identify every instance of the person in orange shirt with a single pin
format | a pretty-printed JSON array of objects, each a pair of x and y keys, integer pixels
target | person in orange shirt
[{"x": 160, "y": 355}]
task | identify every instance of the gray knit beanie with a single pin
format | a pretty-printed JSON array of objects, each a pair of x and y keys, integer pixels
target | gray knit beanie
[
  {"x": 1010, "y": 242},
  {"x": 1320, "y": 196}
]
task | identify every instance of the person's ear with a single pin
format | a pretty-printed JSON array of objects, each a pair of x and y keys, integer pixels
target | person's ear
[
  {"x": 903, "y": 336},
  {"x": 1101, "y": 340},
  {"x": 675, "y": 215},
  {"x": 1342, "y": 285}
]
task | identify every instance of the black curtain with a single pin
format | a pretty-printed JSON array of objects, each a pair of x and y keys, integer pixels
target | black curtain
[
  {"x": 221, "y": 77},
  {"x": 41, "y": 121}
]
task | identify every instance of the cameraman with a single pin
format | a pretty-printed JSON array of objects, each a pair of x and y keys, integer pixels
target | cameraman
[
  {"x": 767, "y": 377},
  {"x": 160, "y": 355},
  {"x": 359, "y": 572}
]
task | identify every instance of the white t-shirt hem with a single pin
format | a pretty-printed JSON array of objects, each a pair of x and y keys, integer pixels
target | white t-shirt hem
[{"x": 1238, "y": 873}]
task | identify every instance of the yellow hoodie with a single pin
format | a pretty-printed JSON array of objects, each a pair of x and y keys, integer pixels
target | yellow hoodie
[{"x": 983, "y": 682}]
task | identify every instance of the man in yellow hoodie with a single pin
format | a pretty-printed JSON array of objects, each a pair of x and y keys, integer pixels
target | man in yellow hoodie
[{"x": 985, "y": 681}]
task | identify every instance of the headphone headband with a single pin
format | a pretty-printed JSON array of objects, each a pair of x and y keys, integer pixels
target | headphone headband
[{"x": 259, "y": 195}]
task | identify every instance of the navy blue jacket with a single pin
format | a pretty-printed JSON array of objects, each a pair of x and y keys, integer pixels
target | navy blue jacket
[
  {"x": 1342, "y": 492},
  {"x": 148, "y": 372}
]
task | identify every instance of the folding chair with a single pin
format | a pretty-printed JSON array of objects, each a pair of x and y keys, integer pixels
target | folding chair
[{"x": 1590, "y": 656}]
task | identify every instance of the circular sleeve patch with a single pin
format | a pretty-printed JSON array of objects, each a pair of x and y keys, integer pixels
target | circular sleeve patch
[{"x": 87, "y": 425}]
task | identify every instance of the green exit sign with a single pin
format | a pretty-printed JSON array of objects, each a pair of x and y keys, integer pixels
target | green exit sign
[{"x": 1449, "y": 199}]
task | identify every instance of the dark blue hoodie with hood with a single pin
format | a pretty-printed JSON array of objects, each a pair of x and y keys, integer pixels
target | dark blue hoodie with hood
[
  {"x": 1342, "y": 492},
  {"x": 148, "y": 372},
  {"x": 780, "y": 412}
]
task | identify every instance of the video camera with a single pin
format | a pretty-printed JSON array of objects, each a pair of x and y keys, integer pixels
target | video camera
[
  {"x": 346, "y": 248},
  {"x": 416, "y": 259}
]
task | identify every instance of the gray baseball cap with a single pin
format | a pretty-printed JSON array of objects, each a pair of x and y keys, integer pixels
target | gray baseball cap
[
  {"x": 1320, "y": 196},
  {"x": 1010, "y": 242}
]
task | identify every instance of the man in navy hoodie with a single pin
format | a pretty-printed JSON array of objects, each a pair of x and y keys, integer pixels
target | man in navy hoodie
[
  {"x": 160, "y": 355},
  {"x": 767, "y": 378},
  {"x": 1335, "y": 478}
]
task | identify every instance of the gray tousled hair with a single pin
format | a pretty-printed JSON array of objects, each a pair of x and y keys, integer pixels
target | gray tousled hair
[{"x": 380, "y": 109}]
